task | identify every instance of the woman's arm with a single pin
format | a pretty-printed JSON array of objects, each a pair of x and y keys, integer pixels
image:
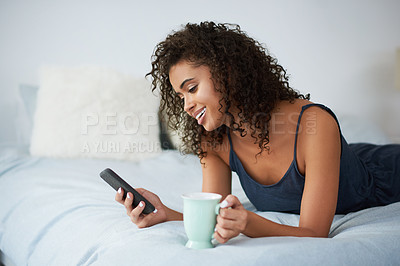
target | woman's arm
[
  {"x": 321, "y": 150},
  {"x": 173, "y": 215},
  {"x": 232, "y": 222},
  {"x": 235, "y": 220},
  {"x": 217, "y": 176}
]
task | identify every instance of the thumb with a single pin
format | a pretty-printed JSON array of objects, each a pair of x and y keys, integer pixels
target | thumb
[
  {"x": 140, "y": 190},
  {"x": 230, "y": 201}
]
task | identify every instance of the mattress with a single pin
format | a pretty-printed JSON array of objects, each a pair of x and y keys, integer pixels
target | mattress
[{"x": 60, "y": 212}]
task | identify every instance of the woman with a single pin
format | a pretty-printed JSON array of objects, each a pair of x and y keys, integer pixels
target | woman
[{"x": 235, "y": 109}]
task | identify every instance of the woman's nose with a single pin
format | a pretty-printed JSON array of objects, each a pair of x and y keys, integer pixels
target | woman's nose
[{"x": 188, "y": 107}]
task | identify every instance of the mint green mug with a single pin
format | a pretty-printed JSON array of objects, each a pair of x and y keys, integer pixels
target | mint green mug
[{"x": 200, "y": 210}]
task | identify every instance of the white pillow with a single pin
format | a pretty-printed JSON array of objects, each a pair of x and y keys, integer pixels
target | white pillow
[{"x": 94, "y": 112}]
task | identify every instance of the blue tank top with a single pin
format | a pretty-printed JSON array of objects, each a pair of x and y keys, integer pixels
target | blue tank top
[{"x": 369, "y": 176}]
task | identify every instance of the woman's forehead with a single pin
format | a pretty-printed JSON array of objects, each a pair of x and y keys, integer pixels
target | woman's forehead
[{"x": 186, "y": 71}]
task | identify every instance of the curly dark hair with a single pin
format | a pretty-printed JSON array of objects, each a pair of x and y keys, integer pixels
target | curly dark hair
[{"x": 242, "y": 71}]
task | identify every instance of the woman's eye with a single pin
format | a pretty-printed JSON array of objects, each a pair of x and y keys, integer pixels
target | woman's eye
[{"x": 192, "y": 89}]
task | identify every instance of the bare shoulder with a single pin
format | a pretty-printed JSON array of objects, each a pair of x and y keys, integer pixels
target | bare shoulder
[
  {"x": 216, "y": 151},
  {"x": 318, "y": 122},
  {"x": 318, "y": 136}
]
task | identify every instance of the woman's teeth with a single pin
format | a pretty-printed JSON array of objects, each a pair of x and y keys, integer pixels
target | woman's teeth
[{"x": 200, "y": 114}]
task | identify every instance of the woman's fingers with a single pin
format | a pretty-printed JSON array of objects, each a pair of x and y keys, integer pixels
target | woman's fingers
[
  {"x": 141, "y": 220},
  {"x": 223, "y": 235},
  {"x": 225, "y": 232},
  {"x": 232, "y": 219},
  {"x": 225, "y": 222},
  {"x": 231, "y": 202},
  {"x": 136, "y": 213},
  {"x": 119, "y": 196},
  {"x": 128, "y": 202},
  {"x": 145, "y": 221}
]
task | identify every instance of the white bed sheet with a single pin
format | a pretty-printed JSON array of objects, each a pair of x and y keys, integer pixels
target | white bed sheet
[{"x": 60, "y": 212}]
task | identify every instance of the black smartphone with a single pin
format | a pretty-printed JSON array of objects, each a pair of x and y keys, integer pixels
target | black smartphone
[{"x": 116, "y": 182}]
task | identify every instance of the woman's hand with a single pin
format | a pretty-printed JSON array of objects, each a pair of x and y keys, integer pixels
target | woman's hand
[
  {"x": 230, "y": 221},
  {"x": 137, "y": 217}
]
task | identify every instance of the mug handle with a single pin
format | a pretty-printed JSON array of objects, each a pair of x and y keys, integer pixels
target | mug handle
[{"x": 217, "y": 208}]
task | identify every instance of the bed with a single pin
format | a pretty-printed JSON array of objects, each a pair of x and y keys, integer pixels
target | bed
[{"x": 56, "y": 210}]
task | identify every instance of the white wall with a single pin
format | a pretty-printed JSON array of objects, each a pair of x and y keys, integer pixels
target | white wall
[{"x": 342, "y": 52}]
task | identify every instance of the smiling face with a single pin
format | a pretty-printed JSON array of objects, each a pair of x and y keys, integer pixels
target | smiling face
[{"x": 201, "y": 100}]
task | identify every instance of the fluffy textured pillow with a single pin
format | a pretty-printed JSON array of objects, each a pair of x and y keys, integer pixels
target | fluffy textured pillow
[{"x": 94, "y": 112}]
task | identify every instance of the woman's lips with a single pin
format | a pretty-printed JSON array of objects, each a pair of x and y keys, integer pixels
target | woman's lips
[
  {"x": 200, "y": 113},
  {"x": 200, "y": 116}
]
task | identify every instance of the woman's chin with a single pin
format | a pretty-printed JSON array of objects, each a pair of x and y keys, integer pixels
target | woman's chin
[
  {"x": 207, "y": 128},
  {"x": 211, "y": 126}
]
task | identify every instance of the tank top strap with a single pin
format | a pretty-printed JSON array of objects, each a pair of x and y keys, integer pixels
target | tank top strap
[
  {"x": 229, "y": 137},
  {"x": 305, "y": 107}
]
